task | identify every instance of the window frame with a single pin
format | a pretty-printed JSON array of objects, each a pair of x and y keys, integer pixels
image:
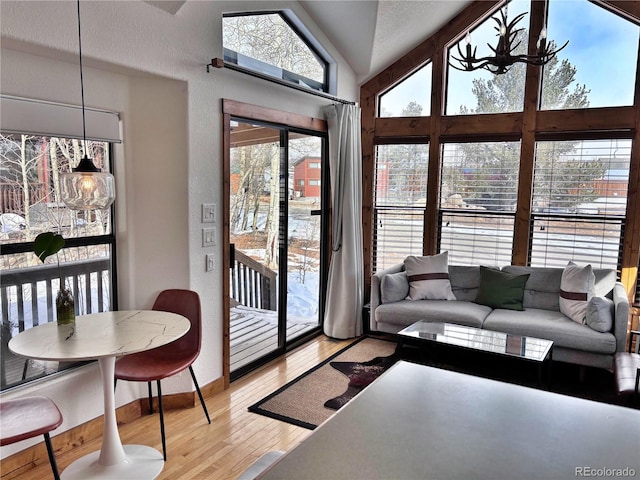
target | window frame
[
  {"x": 528, "y": 126},
  {"x": 329, "y": 65},
  {"x": 107, "y": 240}
]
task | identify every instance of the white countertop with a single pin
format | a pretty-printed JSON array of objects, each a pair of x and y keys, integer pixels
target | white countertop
[{"x": 421, "y": 423}]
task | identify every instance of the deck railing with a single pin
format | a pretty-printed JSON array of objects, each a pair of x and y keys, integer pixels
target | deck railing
[
  {"x": 252, "y": 284},
  {"x": 27, "y": 296}
]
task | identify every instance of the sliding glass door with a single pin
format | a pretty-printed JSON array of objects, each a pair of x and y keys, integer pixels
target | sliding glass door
[{"x": 275, "y": 237}]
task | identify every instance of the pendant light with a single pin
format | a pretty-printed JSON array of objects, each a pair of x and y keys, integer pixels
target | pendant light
[{"x": 86, "y": 187}]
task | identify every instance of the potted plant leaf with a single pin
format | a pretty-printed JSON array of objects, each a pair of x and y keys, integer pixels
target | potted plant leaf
[{"x": 45, "y": 245}]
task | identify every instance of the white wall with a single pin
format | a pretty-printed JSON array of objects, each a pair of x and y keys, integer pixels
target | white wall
[{"x": 149, "y": 66}]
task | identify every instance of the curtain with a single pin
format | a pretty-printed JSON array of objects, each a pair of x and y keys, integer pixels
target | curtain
[{"x": 343, "y": 309}]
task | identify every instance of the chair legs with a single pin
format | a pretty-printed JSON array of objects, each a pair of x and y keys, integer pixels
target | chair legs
[
  {"x": 150, "y": 397},
  {"x": 195, "y": 382},
  {"x": 52, "y": 458},
  {"x": 161, "y": 410}
]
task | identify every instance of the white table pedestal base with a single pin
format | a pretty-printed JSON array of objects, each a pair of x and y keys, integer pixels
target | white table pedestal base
[
  {"x": 114, "y": 460},
  {"x": 141, "y": 462}
]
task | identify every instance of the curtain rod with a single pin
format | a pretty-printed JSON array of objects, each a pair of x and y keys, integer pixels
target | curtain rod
[{"x": 220, "y": 63}]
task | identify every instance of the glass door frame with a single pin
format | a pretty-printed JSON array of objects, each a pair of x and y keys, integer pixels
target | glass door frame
[{"x": 286, "y": 123}]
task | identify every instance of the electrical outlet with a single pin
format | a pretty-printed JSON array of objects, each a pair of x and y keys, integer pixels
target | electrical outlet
[
  {"x": 208, "y": 213},
  {"x": 208, "y": 237},
  {"x": 211, "y": 262}
]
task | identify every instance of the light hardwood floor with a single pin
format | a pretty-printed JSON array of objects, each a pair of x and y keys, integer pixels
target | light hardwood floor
[{"x": 235, "y": 438}]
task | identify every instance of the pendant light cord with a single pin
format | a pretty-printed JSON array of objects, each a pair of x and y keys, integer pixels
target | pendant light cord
[{"x": 84, "y": 128}]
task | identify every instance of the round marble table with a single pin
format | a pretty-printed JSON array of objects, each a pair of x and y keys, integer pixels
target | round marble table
[{"x": 105, "y": 336}]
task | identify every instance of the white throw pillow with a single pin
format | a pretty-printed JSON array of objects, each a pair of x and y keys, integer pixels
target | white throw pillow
[
  {"x": 429, "y": 277},
  {"x": 577, "y": 286}
]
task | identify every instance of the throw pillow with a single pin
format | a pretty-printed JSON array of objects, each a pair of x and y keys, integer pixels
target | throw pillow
[
  {"x": 501, "y": 289},
  {"x": 600, "y": 314},
  {"x": 429, "y": 277},
  {"x": 394, "y": 287},
  {"x": 577, "y": 286}
]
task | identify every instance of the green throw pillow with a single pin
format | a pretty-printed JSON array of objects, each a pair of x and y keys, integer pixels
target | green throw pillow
[{"x": 501, "y": 289}]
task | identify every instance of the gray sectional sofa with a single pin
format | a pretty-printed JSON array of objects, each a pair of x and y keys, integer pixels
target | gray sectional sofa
[{"x": 573, "y": 342}]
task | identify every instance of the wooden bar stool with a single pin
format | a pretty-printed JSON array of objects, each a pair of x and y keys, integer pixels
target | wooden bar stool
[
  {"x": 28, "y": 417},
  {"x": 627, "y": 370}
]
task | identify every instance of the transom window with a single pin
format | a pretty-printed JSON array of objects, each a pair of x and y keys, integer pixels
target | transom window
[
  {"x": 278, "y": 45},
  {"x": 411, "y": 97},
  {"x": 601, "y": 50},
  {"x": 481, "y": 91}
]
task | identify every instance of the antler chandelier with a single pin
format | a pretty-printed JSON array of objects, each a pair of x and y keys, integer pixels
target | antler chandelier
[{"x": 504, "y": 56}]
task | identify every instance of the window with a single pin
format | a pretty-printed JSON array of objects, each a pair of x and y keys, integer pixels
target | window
[
  {"x": 30, "y": 205},
  {"x": 400, "y": 202},
  {"x": 599, "y": 41},
  {"x": 579, "y": 202},
  {"x": 528, "y": 181},
  {"x": 410, "y": 98},
  {"x": 314, "y": 164},
  {"x": 314, "y": 183},
  {"x": 478, "y": 196},
  {"x": 277, "y": 44},
  {"x": 301, "y": 183},
  {"x": 480, "y": 91}
]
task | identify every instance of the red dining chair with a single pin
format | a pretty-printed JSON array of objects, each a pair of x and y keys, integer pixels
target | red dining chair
[
  {"x": 29, "y": 417},
  {"x": 170, "y": 359}
]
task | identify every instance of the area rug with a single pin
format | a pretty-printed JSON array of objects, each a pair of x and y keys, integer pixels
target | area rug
[{"x": 314, "y": 396}]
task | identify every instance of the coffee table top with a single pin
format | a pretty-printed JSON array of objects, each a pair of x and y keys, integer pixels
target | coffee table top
[{"x": 528, "y": 348}]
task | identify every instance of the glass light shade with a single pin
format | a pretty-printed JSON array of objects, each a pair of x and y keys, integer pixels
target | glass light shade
[{"x": 87, "y": 190}]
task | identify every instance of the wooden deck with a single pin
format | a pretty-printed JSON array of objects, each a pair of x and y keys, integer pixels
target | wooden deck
[{"x": 254, "y": 333}]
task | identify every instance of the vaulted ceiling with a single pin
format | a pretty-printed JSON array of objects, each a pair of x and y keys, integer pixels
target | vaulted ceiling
[{"x": 372, "y": 34}]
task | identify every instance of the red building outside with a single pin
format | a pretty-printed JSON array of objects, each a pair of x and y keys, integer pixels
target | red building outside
[{"x": 307, "y": 175}]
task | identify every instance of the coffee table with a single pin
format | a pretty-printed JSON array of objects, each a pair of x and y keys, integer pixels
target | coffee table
[{"x": 531, "y": 349}]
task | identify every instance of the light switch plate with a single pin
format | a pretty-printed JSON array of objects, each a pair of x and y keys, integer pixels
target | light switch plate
[
  {"x": 208, "y": 213},
  {"x": 211, "y": 262},
  {"x": 208, "y": 237}
]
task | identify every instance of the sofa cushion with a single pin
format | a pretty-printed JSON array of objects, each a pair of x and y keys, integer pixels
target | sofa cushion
[
  {"x": 577, "y": 286},
  {"x": 553, "y": 326},
  {"x": 465, "y": 281},
  {"x": 394, "y": 287},
  {"x": 500, "y": 289},
  {"x": 600, "y": 314},
  {"x": 429, "y": 277},
  {"x": 406, "y": 312}
]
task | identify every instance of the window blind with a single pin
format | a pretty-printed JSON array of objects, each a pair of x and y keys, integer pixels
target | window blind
[
  {"x": 399, "y": 203},
  {"x": 38, "y": 117},
  {"x": 478, "y": 194},
  {"x": 579, "y": 202}
]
